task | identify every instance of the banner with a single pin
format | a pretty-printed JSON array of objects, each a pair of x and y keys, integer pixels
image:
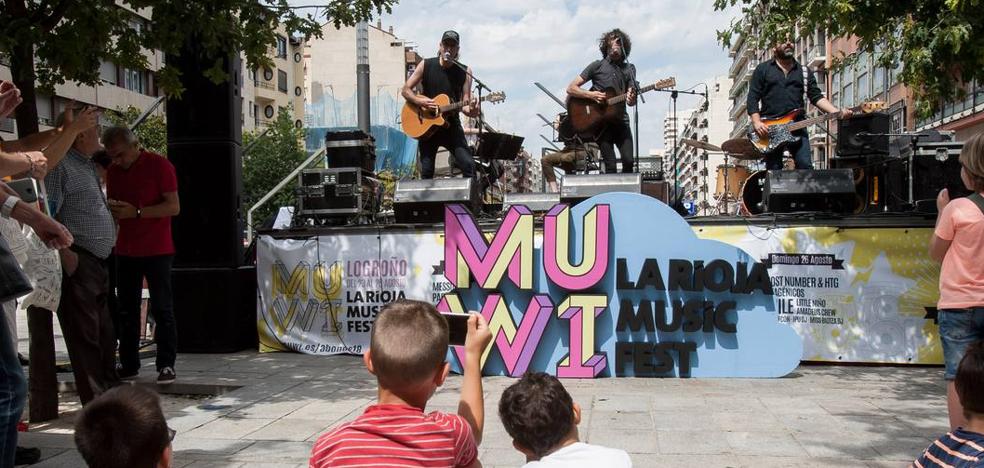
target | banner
[{"x": 854, "y": 295}]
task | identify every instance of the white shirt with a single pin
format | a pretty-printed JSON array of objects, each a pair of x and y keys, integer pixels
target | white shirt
[{"x": 584, "y": 455}]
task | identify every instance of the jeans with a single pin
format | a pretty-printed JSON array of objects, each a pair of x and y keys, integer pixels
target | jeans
[
  {"x": 131, "y": 272},
  {"x": 620, "y": 135},
  {"x": 13, "y": 395},
  {"x": 453, "y": 139},
  {"x": 959, "y": 328},
  {"x": 801, "y": 151}
]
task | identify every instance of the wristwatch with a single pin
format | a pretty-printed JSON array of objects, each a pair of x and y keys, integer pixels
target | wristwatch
[{"x": 8, "y": 206}]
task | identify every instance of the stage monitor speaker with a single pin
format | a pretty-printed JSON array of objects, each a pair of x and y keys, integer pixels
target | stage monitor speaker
[
  {"x": 852, "y": 142},
  {"x": 423, "y": 201},
  {"x": 205, "y": 111},
  {"x": 209, "y": 230},
  {"x": 577, "y": 188},
  {"x": 826, "y": 190},
  {"x": 215, "y": 309},
  {"x": 658, "y": 189},
  {"x": 536, "y": 202}
]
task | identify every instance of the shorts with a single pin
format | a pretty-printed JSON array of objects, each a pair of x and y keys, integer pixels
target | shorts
[{"x": 958, "y": 329}]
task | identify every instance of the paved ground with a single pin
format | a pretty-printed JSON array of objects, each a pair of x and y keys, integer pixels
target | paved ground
[
  {"x": 275, "y": 405},
  {"x": 819, "y": 416}
]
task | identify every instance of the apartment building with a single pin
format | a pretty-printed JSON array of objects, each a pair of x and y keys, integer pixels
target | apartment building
[{"x": 267, "y": 90}]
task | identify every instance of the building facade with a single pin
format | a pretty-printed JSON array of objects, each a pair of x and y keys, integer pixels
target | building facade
[
  {"x": 267, "y": 90},
  {"x": 697, "y": 168}
]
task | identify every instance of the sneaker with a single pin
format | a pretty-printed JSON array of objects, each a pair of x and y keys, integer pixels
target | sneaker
[
  {"x": 27, "y": 456},
  {"x": 127, "y": 374},
  {"x": 166, "y": 376}
]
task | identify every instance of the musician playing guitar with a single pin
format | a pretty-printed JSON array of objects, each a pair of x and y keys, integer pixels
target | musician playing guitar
[
  {"x": 441, "y": 75},
  {"x": 611, "y": 72},
  {"x": 778, "y": 84}
]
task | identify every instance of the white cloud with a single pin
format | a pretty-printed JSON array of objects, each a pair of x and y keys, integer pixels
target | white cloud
[{"x": 511, "y": 43}]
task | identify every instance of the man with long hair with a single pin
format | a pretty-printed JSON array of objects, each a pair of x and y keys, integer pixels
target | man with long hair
[{"x": 612, "y": 72}]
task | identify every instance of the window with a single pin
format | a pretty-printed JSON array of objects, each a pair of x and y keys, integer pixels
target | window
[
  {"x": 298, "y": 91},
  {"x": 107, "y": 73},
  {"x": 268, "y": 112},
  {"x": 282, "y": 81},
  {"x": 268, "y": 74},
  {"x": 848, "y": 95},
  {"x": 878, "y": 80},
  {"x": 281, "y": 47},
  {"x": 135, "y": 80},
  {"x": 254, "y": 111},
  {"x": 297, "y": 57},
  {"x": 863, "y": 91}
]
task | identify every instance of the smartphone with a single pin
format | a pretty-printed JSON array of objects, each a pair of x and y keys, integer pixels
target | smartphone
[
  {"x": 457, "y": 328},
  {"x": 26, "y": 188}
]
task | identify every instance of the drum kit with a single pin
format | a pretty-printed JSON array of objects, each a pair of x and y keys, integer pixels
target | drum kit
[{"x": 737, "y": 186}]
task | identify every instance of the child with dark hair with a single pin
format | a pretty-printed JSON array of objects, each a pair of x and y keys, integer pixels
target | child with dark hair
[
  {"x": 964, "y": 446},
  {"x": 958, "y": 244},
  {"x": 407, "y": 353},
  {"x": 124, "y": 428},
  {"x": 542, "y": 420}
]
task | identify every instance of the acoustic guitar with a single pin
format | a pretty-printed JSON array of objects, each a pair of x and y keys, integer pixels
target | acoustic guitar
[
  {"x": 421, "y": 123},
  {"x": 589, "y": 117},
  {"x": 781, "y": 128}
]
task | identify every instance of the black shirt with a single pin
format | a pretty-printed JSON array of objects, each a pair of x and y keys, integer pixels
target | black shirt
[
  {"x": 778, "y": 92},
  {"x": 440, "y": 80}
]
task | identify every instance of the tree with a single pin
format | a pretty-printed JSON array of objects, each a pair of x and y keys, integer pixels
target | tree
[
  {"x": 53, "y": 41},
  {"x": 152, "y": 132},
  {"x": 272, "y": 157},
  {"x": 939, "y": 42}
]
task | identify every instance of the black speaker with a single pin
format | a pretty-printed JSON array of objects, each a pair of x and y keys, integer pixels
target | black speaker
[
  {"x": 930, "y": 174},
  {"x": 850, "y": 143},
  {"x": 826, "y": 190},
  {"x": 215, "y": 309},
  {"x": 879, "y": 182},
  {"x": 209, "y": 230},
  {"x": 205, "y": 111}
]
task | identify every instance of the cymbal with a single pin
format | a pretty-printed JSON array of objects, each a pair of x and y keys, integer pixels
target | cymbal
[
  {"x": 741, "y": 148},
  {"x": 699, "y": 144}
]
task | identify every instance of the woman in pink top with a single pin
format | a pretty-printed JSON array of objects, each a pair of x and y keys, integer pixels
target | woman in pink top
[{"x": 959, "y": 244}]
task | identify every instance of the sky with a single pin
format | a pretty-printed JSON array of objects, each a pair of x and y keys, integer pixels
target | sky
[{"x": 510, "y": 44}]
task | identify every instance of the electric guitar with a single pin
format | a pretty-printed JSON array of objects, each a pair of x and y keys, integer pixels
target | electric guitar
[
  {"x": 589, "y": 116},
  {"x": 781, "y": 128},
  {"x": 421, "y": 123}
]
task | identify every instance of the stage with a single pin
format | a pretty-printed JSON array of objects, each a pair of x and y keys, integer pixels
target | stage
[{"x": 857, "y": 289}]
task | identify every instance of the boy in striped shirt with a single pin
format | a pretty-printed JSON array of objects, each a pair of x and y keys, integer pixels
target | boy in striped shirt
[
  {"x": 963, "y": 447},
  {"x": 407, "y": 353}
]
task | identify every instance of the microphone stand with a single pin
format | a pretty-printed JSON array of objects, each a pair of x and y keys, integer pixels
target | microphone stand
[{"x": 674, "y": 94}]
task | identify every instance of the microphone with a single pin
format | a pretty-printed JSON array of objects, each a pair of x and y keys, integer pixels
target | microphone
[{"x": 447, "y": 56}]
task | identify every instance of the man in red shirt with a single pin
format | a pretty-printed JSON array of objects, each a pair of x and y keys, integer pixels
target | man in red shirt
[{"x": 143, "y": 195}]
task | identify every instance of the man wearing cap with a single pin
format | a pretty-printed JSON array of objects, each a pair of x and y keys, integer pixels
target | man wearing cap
[{"x": 444, "y": 75}]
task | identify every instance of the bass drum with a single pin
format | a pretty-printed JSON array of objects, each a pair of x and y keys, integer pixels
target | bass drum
[{"x": 751, "y": 194}]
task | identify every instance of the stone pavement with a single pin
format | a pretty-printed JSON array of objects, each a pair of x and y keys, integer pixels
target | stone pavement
[{"x": 272, "y": 407}]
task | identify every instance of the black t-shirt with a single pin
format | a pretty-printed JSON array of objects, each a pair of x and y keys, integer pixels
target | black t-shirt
[
  {"x": 604, "y": 74},
  {"x": 439, "y": 80},
  {"x": 772, "y": 92}
]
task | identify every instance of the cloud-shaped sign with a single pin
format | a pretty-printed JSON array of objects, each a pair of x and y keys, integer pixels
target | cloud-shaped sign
[{"x": 617, "y": 285}]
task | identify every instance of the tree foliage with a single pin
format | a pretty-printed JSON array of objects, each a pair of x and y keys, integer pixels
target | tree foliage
[
  {"x": 272, "y": 157},
  {"x": 152, "y": 132},
  {"x": 54, "y": 41},
  {"x": 940, "y": 43}
]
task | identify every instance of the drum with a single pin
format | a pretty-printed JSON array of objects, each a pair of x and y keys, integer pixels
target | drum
[
  {"x": 751, "y": 194},
  {"x": 729, "y": 180}
]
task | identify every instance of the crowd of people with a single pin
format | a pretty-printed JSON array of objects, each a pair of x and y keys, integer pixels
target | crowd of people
[{"x": 100, "y": 209}]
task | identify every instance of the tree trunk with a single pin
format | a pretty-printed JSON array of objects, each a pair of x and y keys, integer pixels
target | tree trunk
[
  {"x": 22, "y": 70},
  {"x": 43, "y": 381}
]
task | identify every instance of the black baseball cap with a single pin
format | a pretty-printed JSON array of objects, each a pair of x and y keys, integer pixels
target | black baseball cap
[{"x": 450, "y": 36}]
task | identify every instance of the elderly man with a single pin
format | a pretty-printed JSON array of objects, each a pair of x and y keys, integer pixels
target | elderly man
[
  {"x": 143, "y": 191},
  {"x": 77, "y": 201}
]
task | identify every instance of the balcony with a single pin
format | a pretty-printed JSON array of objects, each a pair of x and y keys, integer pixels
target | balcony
[
  {"x": 738, "y": 109},
  {"x": 264, "y": 85},
  {"x": 817, "y": 56},
  {"x": 264, "y": 122}
]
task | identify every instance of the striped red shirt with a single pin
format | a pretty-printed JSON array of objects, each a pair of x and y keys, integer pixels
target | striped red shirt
[{"x": 397, "y": 435}]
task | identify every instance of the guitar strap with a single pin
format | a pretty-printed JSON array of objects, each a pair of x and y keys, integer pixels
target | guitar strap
[{"x": 806, "y": 82}]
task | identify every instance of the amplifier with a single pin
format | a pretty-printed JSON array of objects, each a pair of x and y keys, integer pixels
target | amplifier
[
  {"x": 830, "y": 190},
  {"x": 536, "y": 202},
  {"x": 335, "y": 192},
  {"x": 851, "y": 140},
  {"x": 422, "y": 201},
  {"x": 936, "y": 166},
  {"x": 350, "y": 148},
  {"x": 659, "y": 190},
  {"x": 576, "y": 188}
]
